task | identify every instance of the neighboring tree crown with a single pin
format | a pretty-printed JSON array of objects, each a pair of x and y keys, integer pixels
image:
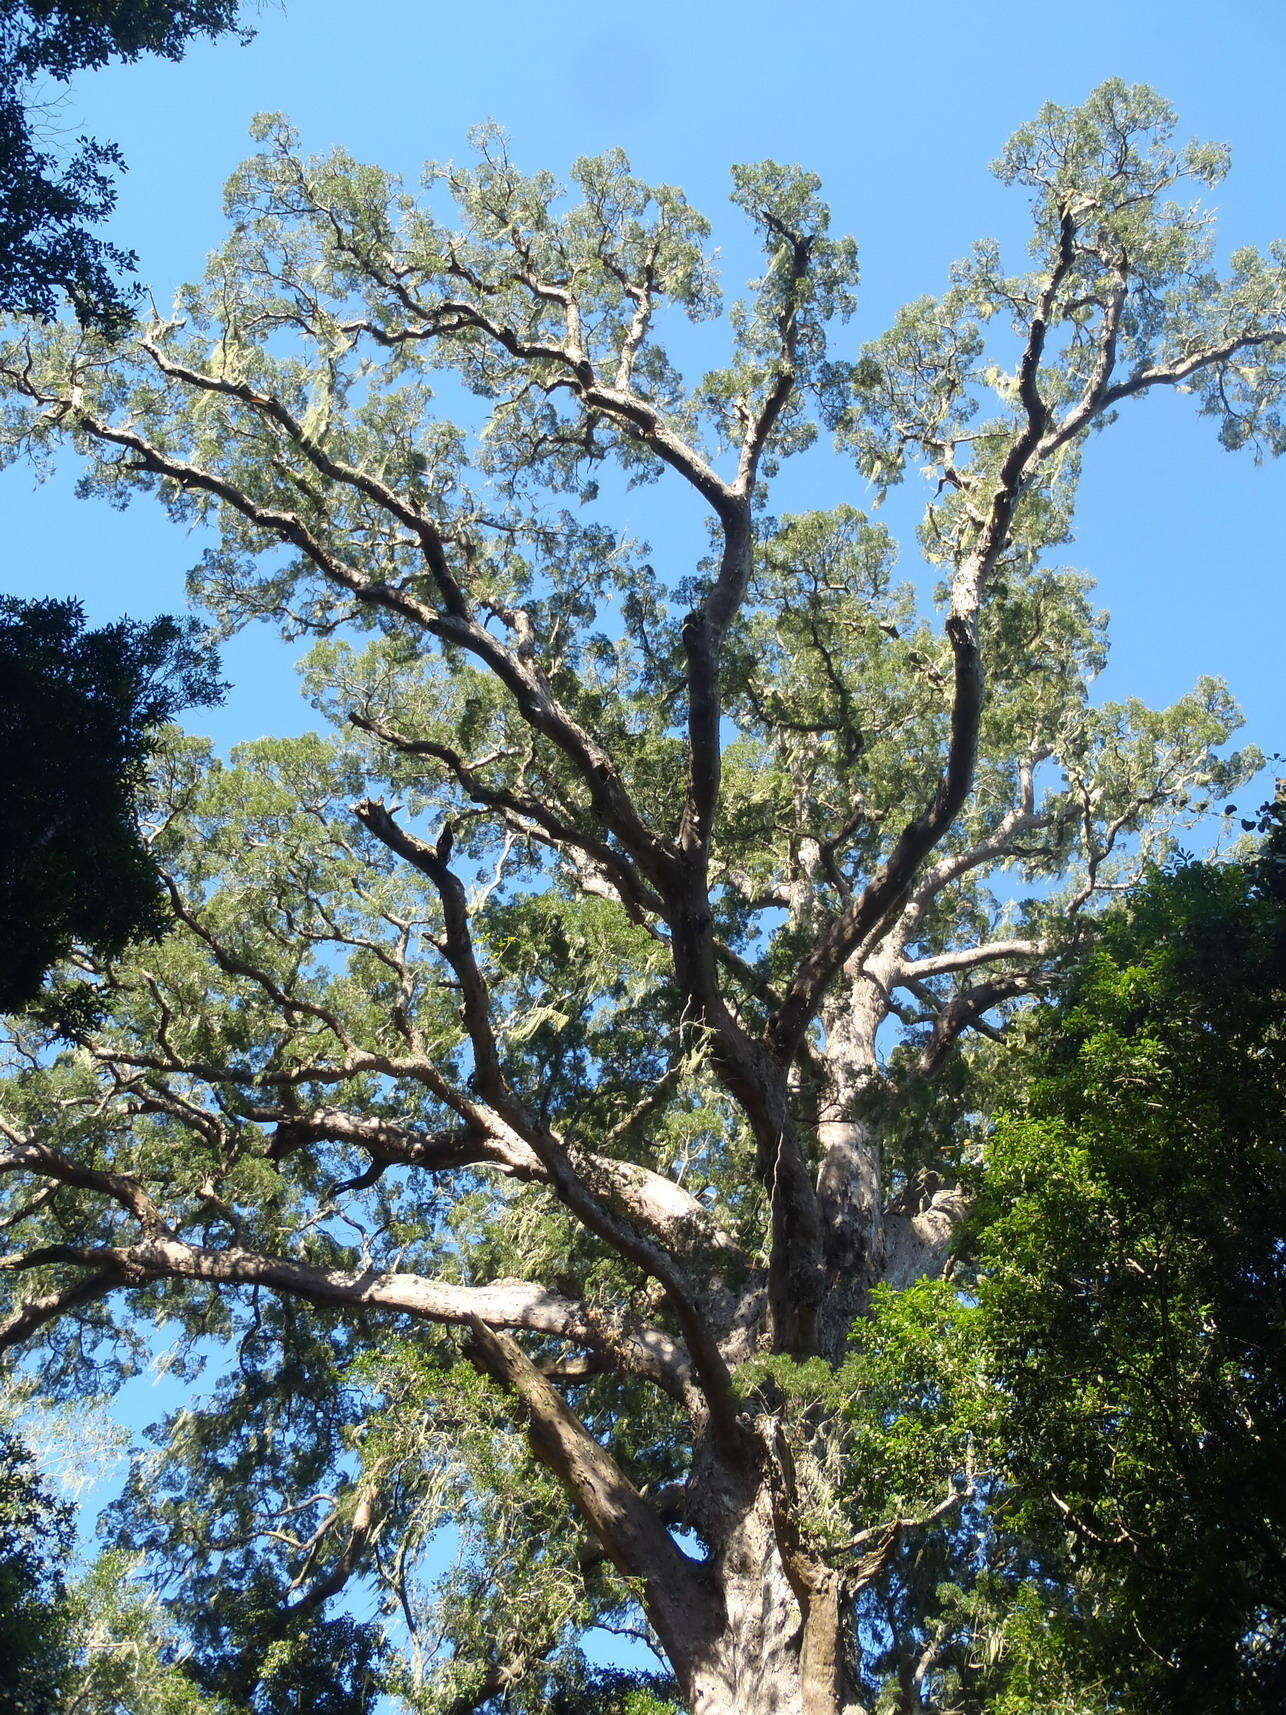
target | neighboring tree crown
[
  {"x": 48, "y": 208},
  {"x": 79, "y": 716},
  {"x": 1129, "y": 1236}
]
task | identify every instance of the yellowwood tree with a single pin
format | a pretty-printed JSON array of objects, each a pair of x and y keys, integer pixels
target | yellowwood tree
[{"x": 546, "y": 1093}]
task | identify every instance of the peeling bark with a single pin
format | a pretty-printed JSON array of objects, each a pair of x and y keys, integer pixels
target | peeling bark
[{"x": 780, "y": 1649}]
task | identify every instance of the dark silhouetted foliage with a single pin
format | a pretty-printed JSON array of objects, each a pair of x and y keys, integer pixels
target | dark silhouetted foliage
[
  {"x": 78, "y": 713},
  {"x": 1135, "y": 1286},
  {"x": 47, "y": 205},
  {"x": 35, "y": 1540}
]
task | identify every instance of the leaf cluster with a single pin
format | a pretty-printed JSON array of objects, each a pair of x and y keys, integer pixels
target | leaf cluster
[
  {"x": 49, "y": 207},
  {"x": 80, "y": 713}
]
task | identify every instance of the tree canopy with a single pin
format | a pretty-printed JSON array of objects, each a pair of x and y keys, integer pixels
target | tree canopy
[
  {"x": 549, "y": 1095},
  {"x": 49, "y": 207}
]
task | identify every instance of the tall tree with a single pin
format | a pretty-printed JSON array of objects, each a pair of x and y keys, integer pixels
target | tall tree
[
  {"x": 514, "y": 1095},
  {"x": 49, "y": 207}
]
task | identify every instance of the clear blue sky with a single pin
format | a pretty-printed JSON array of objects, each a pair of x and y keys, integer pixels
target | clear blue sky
[{"x": 898, "y": 107}]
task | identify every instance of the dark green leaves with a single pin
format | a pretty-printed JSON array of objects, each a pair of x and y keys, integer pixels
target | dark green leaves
[
  {"x": 1134, "y": 1254},
  {"x": 79, "y": 712},
  {"x": 48, "y": 207}
]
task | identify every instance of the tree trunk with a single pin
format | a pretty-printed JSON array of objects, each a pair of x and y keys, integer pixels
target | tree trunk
[
  {"x": 779, "y": 1648},
  {"x": 851, "y": 1193}
]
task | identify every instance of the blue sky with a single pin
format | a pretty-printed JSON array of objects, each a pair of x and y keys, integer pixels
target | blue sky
[{"x": 899, "y": 108}]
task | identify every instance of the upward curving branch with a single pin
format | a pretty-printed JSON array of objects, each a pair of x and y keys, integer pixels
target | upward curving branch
[{"x": 613, "y": 1228}]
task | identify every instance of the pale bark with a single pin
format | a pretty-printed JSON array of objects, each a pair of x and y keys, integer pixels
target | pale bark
[{"x": 780, "y": 1649}]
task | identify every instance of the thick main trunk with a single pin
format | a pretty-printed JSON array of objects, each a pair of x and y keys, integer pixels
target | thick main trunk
[
  {"x": 773, "y": 1653},
  {"x": 851, "y": 1194},
  {"x": 759, "y": 1629}
]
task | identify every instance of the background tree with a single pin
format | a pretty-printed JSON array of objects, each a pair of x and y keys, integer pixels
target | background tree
[
  {"x": 79, "y": 714},
  {"x": 35, "y": 1542},
  {"x": 49, "y": 207},
  {"x": 76, "y": 707},
  {"x": 125, "y": 1652},
  {"x": 1111, "y": 1340},
  {"x": 1135, "y": 1287},
  {"x": 546, "y": 1007},
  {"x": 94, "y": 1643}
]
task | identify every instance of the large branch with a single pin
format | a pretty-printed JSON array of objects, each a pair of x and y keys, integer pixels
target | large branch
[
  {"x": 705, "y": 628},
  {"x": 524, "y": 812},
  {"x": 918, "y": 1240},
  {"x": 35, "y": 1313},
  {"x": 1101, "y": 399},
  {"x": 673, "y": 1214},
  {"x": 878, "y": 903},
  {"x": 452, "y": 624},
  {"x": 752, "y": 1077},
  {"x": 638, "y": 417},
  {"x": 568, "y": 360},
  {"x": 817, "y": 1586},
  {"x": 886, "y": 893},
  {"x": 484, "y": 1136},
  {"x": 27, "y": 1156},
  {"x": 1023, "y": 818},
  {"x": 676, "y": 1595},
  {"x": 968, "y": 958},
  {"x": 572, "y": 1189},
  {"x": 967, "y": 1010},
  {"x": 338, "y": 471},
  {"x": 456, "y": 946},
  {"x": 361, "y": 1527},
  {"x": 600, "y": 868},
  {"x": 519, "y": 1304},
  {"x": 292, "y": 1005}
]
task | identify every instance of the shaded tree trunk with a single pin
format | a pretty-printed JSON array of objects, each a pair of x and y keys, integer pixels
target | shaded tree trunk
[{"x": 779, "y": 1645}]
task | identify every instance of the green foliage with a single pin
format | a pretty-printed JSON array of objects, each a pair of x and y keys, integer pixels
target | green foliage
[
  {"x": 1130, "y": 1237},
  {"x": 1111, "y": 1356},
  {"x": 610, "y": 1691},
  {"x": 49, "y": 207},
  {"x": 36, "y": 1640},
  {"x": 79, "y": 716},
  {"x": 889, "y": 1431},
  {"x": 126, "y": 1649}
]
